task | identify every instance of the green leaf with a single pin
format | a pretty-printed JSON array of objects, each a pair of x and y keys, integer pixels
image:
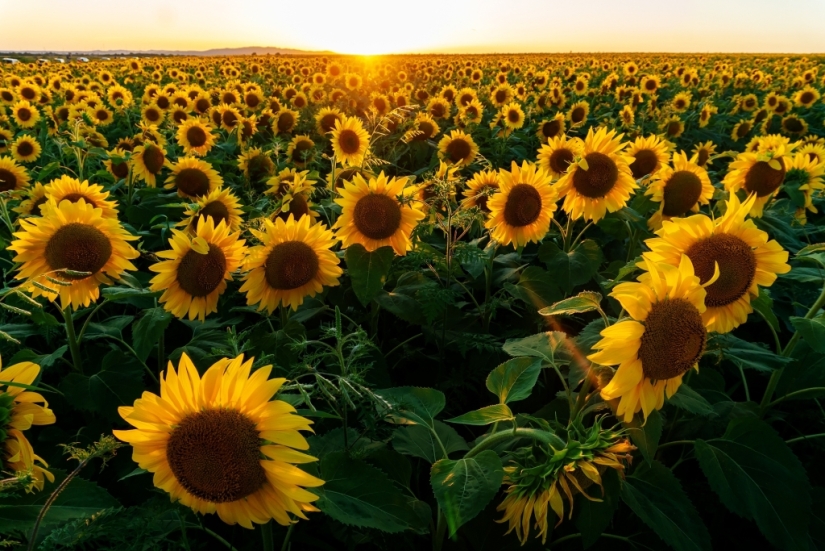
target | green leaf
[
  {"x": 463, "y": 488},
  {"x": 811, "y": 249},
  {"x": 646, "y": 435},
  {"x": 118, "y": 383},
  {"x": 147, "y": 331},
  {"x": 586, "y": 301},
  {"x": 759, "y": 478},
  {"x": 812, "y": 331},
  {"x": 368, "y": 271},
  {"x": 573, "y": 268},
  {"x": 419, "y": 441},
  {"x": 744, "y": 354},
  {"x": 414, "y": 405},
  {"x": 357, "y": 494},
  {"x": 536, "y": 287},
  {"x": 80, "y": 499},
  {"x": 552, "y": 347},
  {"x": 594, "y": 516},
  {"x": 484, "y": 416},
  {"x": 689, "y": 400},
  {"x": 763, "y": 304},
  {"x": 656, "y": 496},
  {"x": 514, "y": 379},
  {"x": 402, "y": 306}
]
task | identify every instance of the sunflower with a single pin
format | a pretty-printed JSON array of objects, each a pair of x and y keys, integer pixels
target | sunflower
[
  {"x": 601, "y": 180},
  {"x": 75, "y": 237},
  {"x": 702, "y": 153},
  {"x": 472, "y": 113},
  {"x": 806, "y": 97},
  {"x": 746, "y": 259},
  {"x": 152, "y": 114},
  {"x": 678, "y": 189},
  {"x": 147, "y": 162},
  {"x": 522, "y": 209},
  {"x": 12, "y": 175},
  {"x": 672, "y": 126},
  {"x": 326, "y": 118},
  {"x": 502, "y": 95},
  {"x": 512, "y": 115},
  {"x": 24, "y": 114},
  {"x": 804, "y": 177},
  {"x": 220, "y": 444},
  {"x": 794, "y": 125},
  {"x": 741, "y": 130},
  {"x": 20, "y": 410},
  {"x": 578, "y": 114},
  {"x": 294, "y": 261},
  {"x": 424, "y": 128},
  {"x": 558, "y": 153},
  {"x": 220, "y": 205},
  {"x": 294, "y": 199},
  {"x": 116, "y": 165},
  {"x": 256, "y": 165},
  {"x": 230, "y": 117},
  {"x": 35, "y": 197},
  {"x": 25, "y": 149},
  {"x": 193, "y": 177},
  {"x": 480, "y": 188},
  {"x": 195, "y": 137},
  {"x": 349, "y": 141},
  {"x": 6, "y": 137},
  {"x": 649, "y": 155},
  {"x": 70, "y": 189},
  {"x": 759, "y": 172},
  {"x": 279, "y": 184},
  {"x": 285, "y": 121},
  {"x": 301, "y": 151},
  {"x": 663, "y": 340},
  {"x": 551, "y": 128},
  {"x": 196, "y": 269},
  {"x": 373, "y": 216},
  {"x": 457, "y": 148},
  {"x": 336, "y": 178}
]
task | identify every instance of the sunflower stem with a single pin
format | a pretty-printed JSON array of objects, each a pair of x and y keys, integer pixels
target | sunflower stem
[
  {"x": 285, "y": 544},
  {"x": 266, "y": 537},
  {"x": 72, "y": 339},
  {"x": 440, "y": 531},
  {"x": 520, "y": 432}
]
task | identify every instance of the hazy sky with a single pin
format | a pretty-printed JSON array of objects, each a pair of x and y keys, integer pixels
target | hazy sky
[{"x": 370, "y": 27}]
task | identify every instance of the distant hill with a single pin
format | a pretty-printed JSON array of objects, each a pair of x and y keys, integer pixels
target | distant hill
[{"x": 260, "y": 50}]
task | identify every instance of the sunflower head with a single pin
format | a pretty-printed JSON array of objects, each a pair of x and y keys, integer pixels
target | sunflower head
[
  {"x": 221, "y": 205},
  {"x": 649, "y": 155},
  {"x": 12, "y": 175},
  {"x": 679, "y": 187},
  {"x": 192, "y": 177},
  {"x": 521, "y": 211},
  {"x": 195, "y": 137},
  {"x": 457, "y": 148},
  {"x": 556, "y": 156},
  {"x": 226, "y": 447},
  {"x": 349, "y": 141}
]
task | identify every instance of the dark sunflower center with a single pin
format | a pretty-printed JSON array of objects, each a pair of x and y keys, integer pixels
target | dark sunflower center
[
  {"x": 682, "y": 191},
  {"x": 75, "y": 197},
  {"x": 36, "y": 205},
  {"x": 673, "y": 128},
  {"x": 501, "y": 96},
  {"x": 560, "y": 159},
  {"x": 229, "y": 118},
  {"x": 703, "y": 157},
  {"x": 152, "y": 115},
  {"x": 737, "y": 267},
  {"x": 599, "y": 178},
  {"x": 577, "y": 115},
  {"x": 285, "y": 122},
  {"x": 120, "y": 170},
  {"x": 193, "y": 182},
  {"x": 24, "y": 149},
  {"x": 78, "y": 247},
  {"x": 377, "y": 216},
  {"x": 200, "y": 274},
  {"x": 673, "y": 341},
  {"x": 215, "y": 210},
  {"x": 645, "y": 162},
  {"x": 252, "y": 100},
  {"x": 426, "y": 129},
  {"x": 8, "y": 180},
  {"x": 806, "y": 97},
  {"x": 215, "y": 455},
  {"x": 550, "y": 129},
  {"x": 24, "y": 114},
  {"x": 196, "y": 136},
  {"x": 513, "y": 116},
  {"x": 792, "y": 124},
  {"x": 153, "y": 158},
  {"x": 259, "y": 167},
  {"x": 328, "y": 122},
  {"x": 743, "y": 130},
  {"x": 298, "y": 208},
  {"x": 458, "y": 150},
  {"x": 302, "y": 151},
  {"x": 523, "y": 205},
  {"x": 763, "y": 180},
  {"x": 290, "y": 265},
  {"x": 202, "y": 105}
]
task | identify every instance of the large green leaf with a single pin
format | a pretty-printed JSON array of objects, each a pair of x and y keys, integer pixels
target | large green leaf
[
  {"x": 759, "y": 478},
  {"x": 764, "y": 305},
  {"x": 406, "y": 308},
  {"x": 690, "y": 400},
  {"x": 812, "y": 331},
  {"x": 646, "y": 435},
  {"x": 118, "y": 383},
  {"x": 464, "y": 487},
  {"x": 420, "y": 442},
  {"x": 536, "y": 287},
  {"x": 484, "y": 416},
  {"x": 571, "y": 268},
  {"x": 514, "y": 379},
  {"x": 586, "y": 301},
  {"x": 552, "y": 347},
  {"x": 411, "y": 404},
  {"x": 80, "y": 499},
  {"x": 744, "y": 354},
  {"x": 357, "y": 494},
  {"x": 656, "y": 496},
  {"x": 147, "y": 331},
  {"x": 594, "y": 516},
  {"x": 368, "y": 270}
]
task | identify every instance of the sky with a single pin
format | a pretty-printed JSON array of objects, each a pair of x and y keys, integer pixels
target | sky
[{"x": 417, "y": 26}]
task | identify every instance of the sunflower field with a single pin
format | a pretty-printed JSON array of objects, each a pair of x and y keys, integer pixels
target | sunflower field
[{"x": 413, "y": 302}]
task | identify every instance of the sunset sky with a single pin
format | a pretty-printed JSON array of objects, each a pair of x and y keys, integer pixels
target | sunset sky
[{"x": 376, "y": 27}]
